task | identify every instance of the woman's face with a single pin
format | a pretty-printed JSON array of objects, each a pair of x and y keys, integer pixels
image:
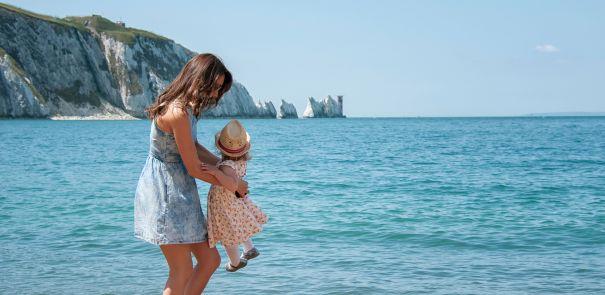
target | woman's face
[{"x": 217, "y": 87}]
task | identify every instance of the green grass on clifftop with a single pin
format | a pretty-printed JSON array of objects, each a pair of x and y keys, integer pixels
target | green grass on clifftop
[
  {"x": 84, "y": 23},
  {"x": 123, "y": 34},
  {"x": 50, "y": 19}
]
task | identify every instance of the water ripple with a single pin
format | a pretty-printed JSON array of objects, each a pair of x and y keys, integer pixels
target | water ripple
[{"x": 391, "y": 206}]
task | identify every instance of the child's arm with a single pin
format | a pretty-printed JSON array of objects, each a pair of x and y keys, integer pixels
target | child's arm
[{"x": 226, "y": 176}]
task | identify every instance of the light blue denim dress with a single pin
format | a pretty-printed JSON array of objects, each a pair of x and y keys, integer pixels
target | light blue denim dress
[{"x": 167, "y": 206}]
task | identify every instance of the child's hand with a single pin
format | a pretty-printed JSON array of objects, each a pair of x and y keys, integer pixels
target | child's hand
[{"x": 210, "y": 169}]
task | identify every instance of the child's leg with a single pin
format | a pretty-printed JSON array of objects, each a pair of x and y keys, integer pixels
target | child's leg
[
  {"x": 248, "y": 245},
  {"x": 233, "y": 253}
]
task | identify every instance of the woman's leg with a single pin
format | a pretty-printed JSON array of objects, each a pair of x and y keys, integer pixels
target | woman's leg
[
  {"x": 179, "y": 263},
  {"x": 208, "y": 260}
]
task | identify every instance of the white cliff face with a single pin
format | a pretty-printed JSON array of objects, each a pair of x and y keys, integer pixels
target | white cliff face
[
  {"x": 327, "y": 108},
  {"x": 142, "y": 69},
  {"x": 60, "y": 63},
  {"x": 21, "y": 98},
  {"x": 80, "y": 66},
  {"x": 287, "y": 111},
  {"x": 237, "y": 102}
]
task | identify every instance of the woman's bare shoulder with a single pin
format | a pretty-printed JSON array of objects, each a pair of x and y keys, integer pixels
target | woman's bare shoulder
[{"x": 174, "y": 117}]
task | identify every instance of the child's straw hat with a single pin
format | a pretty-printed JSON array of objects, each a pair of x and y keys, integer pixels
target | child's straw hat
[{"x": 233, "y": 140}]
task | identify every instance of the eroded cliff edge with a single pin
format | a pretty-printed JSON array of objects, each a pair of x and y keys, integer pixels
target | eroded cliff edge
[{"x": 87, "y": 66}]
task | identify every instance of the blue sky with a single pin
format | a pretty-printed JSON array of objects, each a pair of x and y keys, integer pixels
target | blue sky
[{"x": 390, "y": 58}]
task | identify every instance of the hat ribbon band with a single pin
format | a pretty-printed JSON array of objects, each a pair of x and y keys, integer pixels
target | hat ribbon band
[{"x": 231, "y": 150}]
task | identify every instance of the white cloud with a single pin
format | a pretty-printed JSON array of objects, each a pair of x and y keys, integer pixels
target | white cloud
[{"x": 546, "y": 48}]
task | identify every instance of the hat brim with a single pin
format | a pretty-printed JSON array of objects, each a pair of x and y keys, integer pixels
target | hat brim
[{"x": 231, "y": 153}]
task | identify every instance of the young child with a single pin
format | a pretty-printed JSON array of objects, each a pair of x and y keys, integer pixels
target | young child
[{"x": 233, "y": 220}]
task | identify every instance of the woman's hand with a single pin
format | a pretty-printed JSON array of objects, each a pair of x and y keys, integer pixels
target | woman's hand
[
  {"x": 208, "y": 168},
  {"x": 227, "y": 178},
  {"x": 242, "y": 189}
]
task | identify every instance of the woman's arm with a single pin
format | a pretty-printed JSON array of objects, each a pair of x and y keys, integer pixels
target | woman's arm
[
  {"x": 205, "y": 155},
  {"x": 230, "y": 180},
  {"x": 226, "y": 176},
  {"x": 180, "y": 126},
  {"x": 181, "y": 129}
]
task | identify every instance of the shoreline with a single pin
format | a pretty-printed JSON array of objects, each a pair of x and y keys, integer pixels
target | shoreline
[
  {"x": 126, "y": 117},
  {"x": 99, "y": 117}
]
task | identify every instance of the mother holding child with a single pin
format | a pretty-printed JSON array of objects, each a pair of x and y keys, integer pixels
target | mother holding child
[{"x": 167, "y": 210}]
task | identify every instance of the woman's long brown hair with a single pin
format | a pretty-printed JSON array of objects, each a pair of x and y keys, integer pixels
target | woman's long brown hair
[{"x": 194, "y": 86}]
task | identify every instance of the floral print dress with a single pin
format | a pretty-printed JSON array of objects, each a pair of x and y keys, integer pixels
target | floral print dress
[{"x": 232, "y": 220}]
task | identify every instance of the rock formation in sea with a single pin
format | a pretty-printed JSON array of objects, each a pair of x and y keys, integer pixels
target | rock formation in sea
[
  {"x": 237, "y": 102},
  {"x": 85, "y": 66},
  {"x": 326, "y": 108},
  {"x": 287, "y": 111}
]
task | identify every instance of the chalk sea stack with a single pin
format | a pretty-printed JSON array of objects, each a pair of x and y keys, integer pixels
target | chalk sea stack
[
  {"x": 287, "y": 111},
  {"x": 326, "y": 108}
]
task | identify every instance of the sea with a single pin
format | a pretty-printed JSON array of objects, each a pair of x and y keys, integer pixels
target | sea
[{"x": 504, "y": 205}]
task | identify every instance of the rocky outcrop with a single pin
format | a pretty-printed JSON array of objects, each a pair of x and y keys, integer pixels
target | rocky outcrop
[
  {"x": 266, "y": 109},
  {"x": 287, "y": 111},
  {"x": 20, "y": 97},
  {"x": 85, "y": 66},
  {"x": 237, "y": 102},
  {"x": 327, "y": 108}
]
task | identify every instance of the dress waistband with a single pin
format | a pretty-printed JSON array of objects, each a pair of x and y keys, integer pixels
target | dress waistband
[{"x": 169, "y": 158}]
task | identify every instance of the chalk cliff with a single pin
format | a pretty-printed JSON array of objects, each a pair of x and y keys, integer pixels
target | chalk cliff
[{"x": 85, "y": 66}]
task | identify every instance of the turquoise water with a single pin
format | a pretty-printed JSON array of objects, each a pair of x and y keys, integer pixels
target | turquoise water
[{"x": 356, "y": 206}]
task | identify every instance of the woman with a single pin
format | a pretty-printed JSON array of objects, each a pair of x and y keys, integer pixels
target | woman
[{"x": 167, "y": 209}]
